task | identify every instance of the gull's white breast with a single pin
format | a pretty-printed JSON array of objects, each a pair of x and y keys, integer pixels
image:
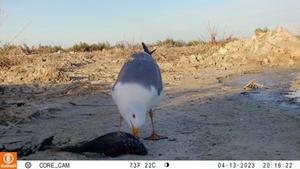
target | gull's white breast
[{"x": 130, "y": 94}]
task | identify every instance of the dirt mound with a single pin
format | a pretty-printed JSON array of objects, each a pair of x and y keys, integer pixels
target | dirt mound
[{"x": 272, "y": 47}]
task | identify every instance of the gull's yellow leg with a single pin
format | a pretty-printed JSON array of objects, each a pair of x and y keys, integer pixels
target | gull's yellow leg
[{"x": 154, "y": 135}]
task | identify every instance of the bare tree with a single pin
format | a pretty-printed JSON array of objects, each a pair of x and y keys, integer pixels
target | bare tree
[{"x": 213, "y": 33}]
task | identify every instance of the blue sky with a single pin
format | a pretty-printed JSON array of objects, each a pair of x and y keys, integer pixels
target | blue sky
[{"x": 65, "y": 22}]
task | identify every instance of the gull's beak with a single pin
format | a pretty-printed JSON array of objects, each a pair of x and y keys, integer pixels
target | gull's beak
[{"x": 135, "y": 131}]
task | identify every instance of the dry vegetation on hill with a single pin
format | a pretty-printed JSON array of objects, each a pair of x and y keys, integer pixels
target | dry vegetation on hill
[{"x": 101, "y": 62}]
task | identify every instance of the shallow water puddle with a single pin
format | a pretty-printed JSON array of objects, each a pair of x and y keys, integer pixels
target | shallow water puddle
[{"x": 277, "y": 87}]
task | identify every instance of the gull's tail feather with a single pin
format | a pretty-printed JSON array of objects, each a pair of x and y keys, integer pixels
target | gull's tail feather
[{"x": 147, "y": 50}]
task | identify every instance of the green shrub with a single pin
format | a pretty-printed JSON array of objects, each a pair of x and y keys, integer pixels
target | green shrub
[
  {"x": 120, "y": 45},
  {"x": 170, "y": 42},
  {"x": 261, "y": 30},
  {"x": 45, "y": 49},
  {"x": 195, "y": 42},
  {"x": 81, "y": 47},
  {"x": 99, "y": 46},
  {"x": 84, "y": 47}
]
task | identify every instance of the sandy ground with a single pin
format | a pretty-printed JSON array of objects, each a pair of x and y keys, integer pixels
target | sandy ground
[{"x": 209, "y": 119}]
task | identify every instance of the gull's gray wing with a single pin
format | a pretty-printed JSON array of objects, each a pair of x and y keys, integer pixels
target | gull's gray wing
[{"x": 143, "y": 72}]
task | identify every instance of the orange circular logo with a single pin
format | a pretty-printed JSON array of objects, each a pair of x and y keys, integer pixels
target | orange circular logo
[{"x": 8, "y": 158}]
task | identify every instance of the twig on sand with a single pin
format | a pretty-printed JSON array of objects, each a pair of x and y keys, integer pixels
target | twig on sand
[
  {"x": 252, "y": 84},
  {"x": 13, "y": 125}
]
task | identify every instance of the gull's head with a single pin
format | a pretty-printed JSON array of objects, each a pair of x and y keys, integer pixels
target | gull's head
[{"x": 135, "y": 118}]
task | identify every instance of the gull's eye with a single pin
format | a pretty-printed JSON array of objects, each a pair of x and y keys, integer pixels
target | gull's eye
[{"x": 133, "y": 115}]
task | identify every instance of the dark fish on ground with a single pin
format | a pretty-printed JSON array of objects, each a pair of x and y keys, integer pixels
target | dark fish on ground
[{"x": 111, "y": 144}]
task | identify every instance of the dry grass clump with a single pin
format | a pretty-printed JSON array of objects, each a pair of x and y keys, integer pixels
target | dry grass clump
[
  {"x": 212, "y": 30},
  {"x": 11, "y": 49},
  {"x": 224, "y": 41},
  {"x": 120, "y": 45},
  {"x": 127, "y": 48},
  {"x": 127, "y": 45},
  {"x": 7, "y": 61},
  {"x": 41, "y": 49},
  {"x": 49, "y": 74},
  {"x": 9, "y": 55}
]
